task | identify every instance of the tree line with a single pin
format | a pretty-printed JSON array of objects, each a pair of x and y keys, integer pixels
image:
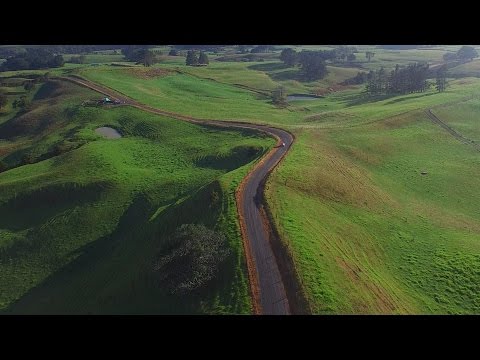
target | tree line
[
  {"x": 31, "y": 59},
  {"x": 402, "y": 80},
  {"x": 9, "y": 51}
]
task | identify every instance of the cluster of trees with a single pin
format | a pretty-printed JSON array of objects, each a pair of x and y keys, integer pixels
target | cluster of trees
[
  {"x": 340, "y": 54},
  {"x": 81, "y": 59},
  {"x": 194, "y": 59},
  {"x": 345, "y": 53},
  {"x": 401, "y": 80},
  {"x": 464, "y": 54},
  {"x": 21, "y": 103},
  {"x": 312, "y": 63},
  {"x": 9, "y": 51},
  {"x": 369, "y": 55},
  {"x": 289, "y": 57},
  {"x": 34, "y": 58},
  {"x": 140, "y": 55}
]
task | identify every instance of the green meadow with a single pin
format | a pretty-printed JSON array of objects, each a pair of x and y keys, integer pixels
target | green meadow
[
  {"x": 368, "y": 231},
  {"x": 377, "y": 204},
  {"x": 80, "y": 226}
]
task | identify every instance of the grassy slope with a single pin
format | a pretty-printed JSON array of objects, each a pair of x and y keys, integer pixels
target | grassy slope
[
  {"x": 464, "y": 117},
  {"x": 79, "y": 230},
  {"x": 386, "y": 239},
  {"x": 369, "y": 233},
  {"x": 471, "y": 68},
  {"x": 269, "y": 75},
  {"x": 188, "y": 95}
]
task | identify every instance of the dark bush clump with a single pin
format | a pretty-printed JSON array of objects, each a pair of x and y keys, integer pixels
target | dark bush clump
[{"x": 192, "y": 259}]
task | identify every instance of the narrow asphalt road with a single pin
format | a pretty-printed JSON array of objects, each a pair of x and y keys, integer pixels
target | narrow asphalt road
[{"x": 270, "y": 294}]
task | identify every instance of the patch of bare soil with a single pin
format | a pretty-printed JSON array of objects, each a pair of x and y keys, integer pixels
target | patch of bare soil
[
  {"x": 147, "y": 73},
  {"x": 332, "y": 88}
]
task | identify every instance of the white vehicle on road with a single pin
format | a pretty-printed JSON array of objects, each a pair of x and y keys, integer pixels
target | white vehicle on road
[{"x": 283, "y": 144}]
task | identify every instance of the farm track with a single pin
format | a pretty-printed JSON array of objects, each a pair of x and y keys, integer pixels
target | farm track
[{"x": 274, "y": 292}]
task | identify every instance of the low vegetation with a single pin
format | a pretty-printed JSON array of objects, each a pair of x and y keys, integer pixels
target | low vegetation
[
  {"x": 97, "y": 211},
  {"x": 192, "y": 259},
  {"x": 376, "y": 203}
]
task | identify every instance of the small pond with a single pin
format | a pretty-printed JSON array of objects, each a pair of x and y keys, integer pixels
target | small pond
[
  {"x": 294, "y": 97},
  {"x": 108, "y": 132}
]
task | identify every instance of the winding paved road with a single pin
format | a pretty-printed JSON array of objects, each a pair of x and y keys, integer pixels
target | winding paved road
[{"x": 269, "y": 294}]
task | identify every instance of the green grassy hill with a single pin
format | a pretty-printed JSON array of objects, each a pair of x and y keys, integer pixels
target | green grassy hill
[
  {"x": 377, "y": 204},
  {"x": 368, "y": 232},
  {"x": 83, "y": 218}
]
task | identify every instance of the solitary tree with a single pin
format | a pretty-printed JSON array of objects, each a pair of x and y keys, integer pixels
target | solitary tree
[
  {"x": 441, "y": 79},
  {"x": 279, "y": 96},
  {"x": 148, "y": 58},
  {"x": 203, "y": 58},
  {"x": 289, "y": 57},
  {"x": 192, "y": 58},
  {"x": 369, "y": 55},
  {"x": 467, "y": 53}
]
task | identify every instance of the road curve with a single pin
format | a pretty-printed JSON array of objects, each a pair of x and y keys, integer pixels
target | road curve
[{"x": 268, "y": 290}]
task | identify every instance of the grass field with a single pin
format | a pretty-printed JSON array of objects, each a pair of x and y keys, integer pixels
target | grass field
[
  {"x": 187, "y": 94},
  {"x": 471, "y": 68},
  {"x": 97, "y": 213},
  {"x": 369, "y": 233},
  {"x": 464, "y": 117}
]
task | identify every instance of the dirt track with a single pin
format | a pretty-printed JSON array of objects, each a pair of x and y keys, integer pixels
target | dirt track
[{"x": 267, "y": 285}]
